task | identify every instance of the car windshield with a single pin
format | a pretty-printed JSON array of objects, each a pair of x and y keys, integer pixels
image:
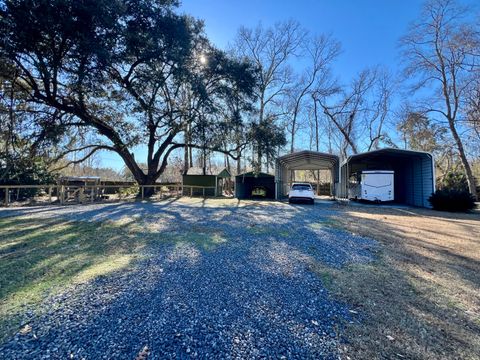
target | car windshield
[{"x": 301, "y": 187}]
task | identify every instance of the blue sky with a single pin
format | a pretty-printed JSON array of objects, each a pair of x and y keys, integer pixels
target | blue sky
[{"x": 369, "y": 30}]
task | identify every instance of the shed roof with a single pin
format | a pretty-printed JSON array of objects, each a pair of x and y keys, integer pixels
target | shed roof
[
  {"x": 196, "y": 170},
  {"x": 224, "y": 173},
  {"x": 308, "y": 160},
  {"x": 79, "y": 178}
]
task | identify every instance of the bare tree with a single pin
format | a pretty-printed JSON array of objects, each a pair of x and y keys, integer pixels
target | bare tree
[
  {"x": 379, "y": 109},
  {"x": 473, "y": 107},
  {"x": 346, "y": 106},
  {"x": 441, "y": 52},
  {"x": 321, "y": 51},
  {"x": 320, "y": 123},
  {"x": 271, "y": 50}
]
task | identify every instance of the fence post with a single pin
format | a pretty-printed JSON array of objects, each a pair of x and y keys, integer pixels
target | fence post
[
  {"x": 7, "y": 193},
  {"x": 50, "y": 194},
  {"x": 92, "y": 192},
  {"x": 191, "y": 191},
  {"x": 203, "y": 192},
  {"x": 143, "y": 191}
]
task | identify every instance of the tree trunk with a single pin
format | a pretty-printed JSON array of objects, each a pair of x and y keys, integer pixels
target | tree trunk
[
  {"x": 228, "y": 163},
  {"x": 204, "y": 162},
  {"x": 292, "y": 144},
  {"x": 187, "y": 164},
  {"x": 316, "y": 124},
  {"x": 466, "y": 165},
  {"x": 190, "y": 150},
  {"x": 186, "y": 160},
  {"x": 259, "y": 160},
  {"x": 239, "y": 166}
]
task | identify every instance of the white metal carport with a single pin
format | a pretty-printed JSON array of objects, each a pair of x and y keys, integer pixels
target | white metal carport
[{"x": 303, "y": 160}]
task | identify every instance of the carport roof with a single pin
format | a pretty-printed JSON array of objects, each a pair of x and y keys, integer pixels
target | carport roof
[
  {"x": 308, "y": 160},
  {"x": 387, "y": 151},
  {"x": 253, "y": 174}
]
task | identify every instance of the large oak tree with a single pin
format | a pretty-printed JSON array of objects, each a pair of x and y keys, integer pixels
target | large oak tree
[{"x": 131, "y": 72}]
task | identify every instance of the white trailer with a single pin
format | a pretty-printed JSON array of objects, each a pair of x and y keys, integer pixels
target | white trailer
[{"x": 371, "y": 185}]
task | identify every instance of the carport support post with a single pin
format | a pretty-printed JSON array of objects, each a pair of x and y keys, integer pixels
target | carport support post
[
  {"x": 318, "y": 182},
  {"x": 347, "y": 176}
]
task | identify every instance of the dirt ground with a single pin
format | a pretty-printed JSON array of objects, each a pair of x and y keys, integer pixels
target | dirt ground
[{"x": 420, "y": 300}]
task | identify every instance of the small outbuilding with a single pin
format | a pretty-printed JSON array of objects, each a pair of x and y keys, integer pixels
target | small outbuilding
[
  {"x": 195, "y": 183},
  {"x": 251, "y": 185},
  {"x": 414, "y": 173}
]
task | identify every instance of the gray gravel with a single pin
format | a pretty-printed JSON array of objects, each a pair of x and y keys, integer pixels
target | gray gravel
[{"x": 251, "y": 296}]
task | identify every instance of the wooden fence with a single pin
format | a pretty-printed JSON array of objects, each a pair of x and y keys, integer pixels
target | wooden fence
[{"x": 64, "y": 194}]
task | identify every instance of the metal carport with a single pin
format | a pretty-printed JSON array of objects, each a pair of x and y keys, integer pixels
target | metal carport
[
  {"x": 245, "y": 183},
  {"x": 414, "y": 178},
  {"x": 303, "y": 160}
]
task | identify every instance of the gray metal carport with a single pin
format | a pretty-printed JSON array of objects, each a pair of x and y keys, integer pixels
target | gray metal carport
[
  {"x": 303, "y": 160},
  {"x": 414, "y": 178}
]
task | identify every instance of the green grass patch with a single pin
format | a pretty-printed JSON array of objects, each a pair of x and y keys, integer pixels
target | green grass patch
[
  {"x": 260, "y": 230},
  {"x": 325, "y": 224},
  {"x": 268, "y": 230},
  {"x": 204, "y": 240}
]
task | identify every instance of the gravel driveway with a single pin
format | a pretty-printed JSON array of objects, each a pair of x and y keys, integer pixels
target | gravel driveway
[{"x": 250, "y": 296}]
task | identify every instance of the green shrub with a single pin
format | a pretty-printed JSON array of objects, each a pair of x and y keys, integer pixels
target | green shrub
[
  {"x": 454, "y": 180},
  {"x": 452, "y": 200},
  {"x": 24, "y": 171}
]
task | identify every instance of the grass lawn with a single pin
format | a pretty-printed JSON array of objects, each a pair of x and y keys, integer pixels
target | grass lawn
[
  {"x": 421, "y": 299},
  {"x": 39, "y": 257}
]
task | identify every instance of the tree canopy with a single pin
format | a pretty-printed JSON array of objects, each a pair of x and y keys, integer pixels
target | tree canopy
[{"x": 127, "y": 72}]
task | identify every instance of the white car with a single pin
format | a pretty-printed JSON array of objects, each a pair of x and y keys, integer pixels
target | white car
[{"x": 301, "y": 192}]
